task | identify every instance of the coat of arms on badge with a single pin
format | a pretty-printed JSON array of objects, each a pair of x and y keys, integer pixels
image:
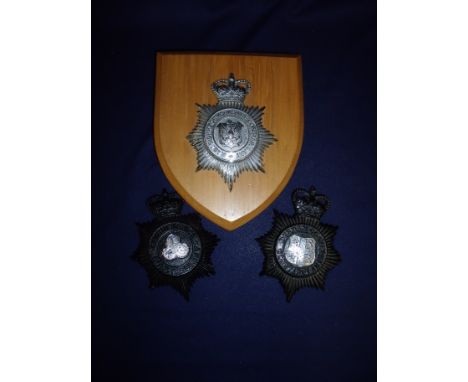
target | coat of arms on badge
[
  {"x": 174, "y": 249},
  {"x": 229, "y": 137},
  {"x": 228, "y": 143},
  {"x": 299, "y": 249}
]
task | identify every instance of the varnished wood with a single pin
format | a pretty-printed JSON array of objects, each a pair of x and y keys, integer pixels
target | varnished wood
[{"x": 184, "y": 79}]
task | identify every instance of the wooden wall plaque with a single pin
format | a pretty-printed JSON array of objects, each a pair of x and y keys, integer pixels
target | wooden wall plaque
[{"x": 184, "y": 80}]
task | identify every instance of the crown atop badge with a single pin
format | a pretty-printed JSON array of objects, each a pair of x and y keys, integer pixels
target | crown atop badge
[
  {"x": 309, "y": 203},
  {"x": 230, "y": 89},
  {"x": 165, "y": 204}
]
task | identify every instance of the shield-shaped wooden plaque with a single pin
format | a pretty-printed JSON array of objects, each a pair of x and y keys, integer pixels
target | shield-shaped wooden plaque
[{"x": 184, "y": 80}]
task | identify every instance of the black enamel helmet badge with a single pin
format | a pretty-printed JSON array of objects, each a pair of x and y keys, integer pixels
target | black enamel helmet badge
[
  {"x": 174, "y": 249},
  {"x": 299, "y": 248}
]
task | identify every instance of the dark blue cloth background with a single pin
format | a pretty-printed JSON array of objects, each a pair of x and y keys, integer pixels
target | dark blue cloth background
[{"x": 237, "y": 326}]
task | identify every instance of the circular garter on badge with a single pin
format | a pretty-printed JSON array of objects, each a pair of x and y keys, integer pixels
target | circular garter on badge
[
  {"x": 299, "y": 249},
  {"x": 174, "y": 249},
  {"x": 229, "y": 137}
]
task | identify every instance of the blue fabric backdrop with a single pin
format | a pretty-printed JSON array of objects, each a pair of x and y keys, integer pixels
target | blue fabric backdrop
[{"x": 237, "y": 326}]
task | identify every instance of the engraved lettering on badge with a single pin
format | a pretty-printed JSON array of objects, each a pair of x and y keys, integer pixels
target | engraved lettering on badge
[
  {"x": 174, "y": 249},
  {"x": 300, "y": 251},
  {"x": 229, "y": 137}
]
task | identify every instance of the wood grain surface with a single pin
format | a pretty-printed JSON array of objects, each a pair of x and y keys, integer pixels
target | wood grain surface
[{"x": 184, "y": 79}]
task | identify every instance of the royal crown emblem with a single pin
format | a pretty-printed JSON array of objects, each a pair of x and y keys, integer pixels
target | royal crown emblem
[
  {"x": 229, "y": 137},
  {"x": 227, "y": 156},
  {"x": 299, "y": 249}
]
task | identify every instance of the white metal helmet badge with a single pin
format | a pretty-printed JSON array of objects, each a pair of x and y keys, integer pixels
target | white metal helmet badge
[
  {"x": 229, "y": 137},
  {"x": 228, "y": 146}
]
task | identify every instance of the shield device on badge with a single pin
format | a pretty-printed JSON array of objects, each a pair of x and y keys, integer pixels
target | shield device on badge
[{"x": 228, "y": 130}]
